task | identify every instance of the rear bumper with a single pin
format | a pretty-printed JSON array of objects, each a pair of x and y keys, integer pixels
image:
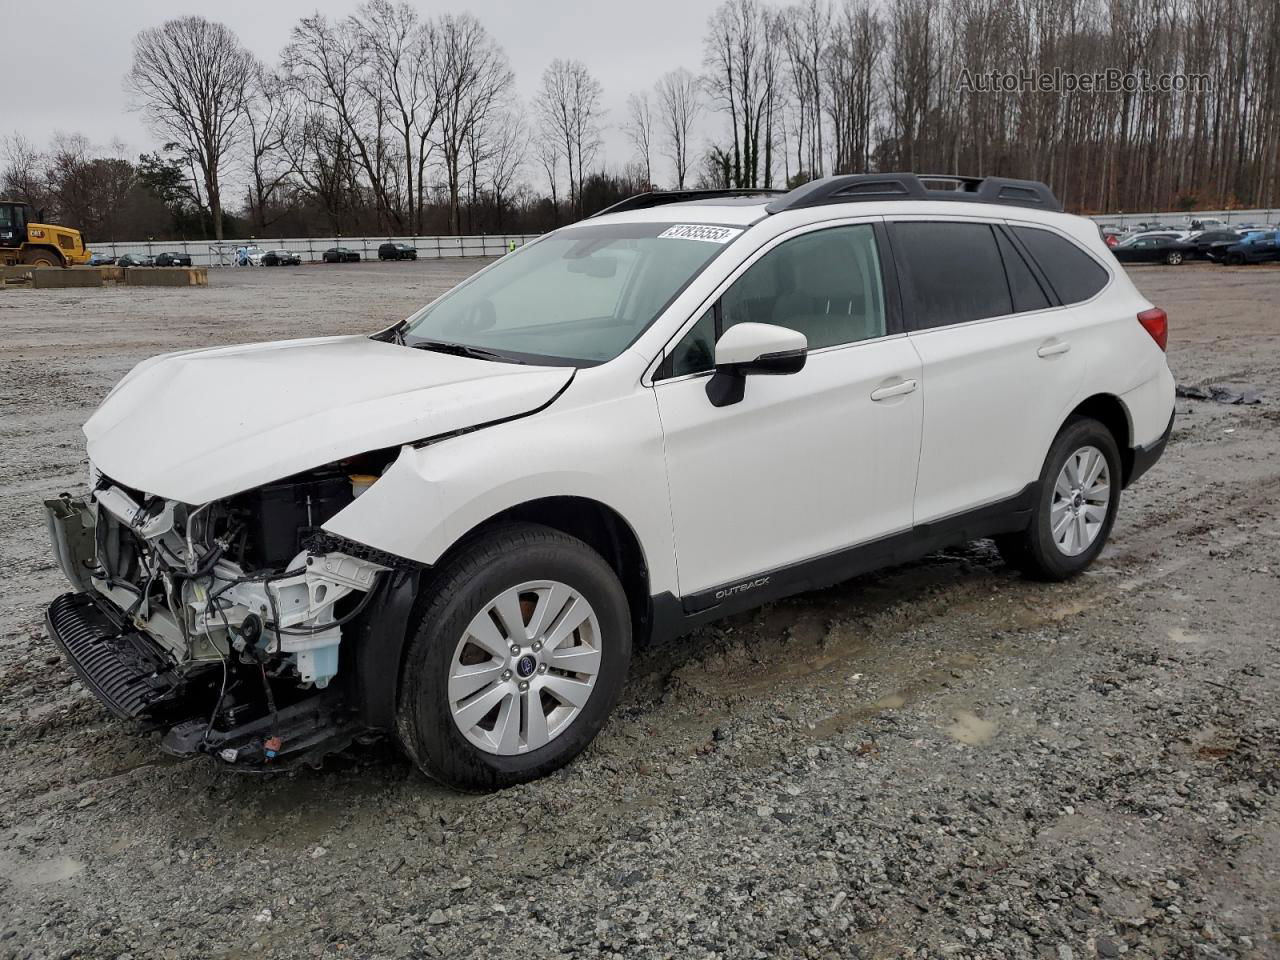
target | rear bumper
[{"x": 1145, "y": 457}]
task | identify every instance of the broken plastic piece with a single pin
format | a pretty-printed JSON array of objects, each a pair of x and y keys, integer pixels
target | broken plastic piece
[
  {"x": 271, "y": 747},
  {"x": 1222, "y": 392}
]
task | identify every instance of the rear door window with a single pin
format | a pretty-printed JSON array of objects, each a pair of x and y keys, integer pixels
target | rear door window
[
  {"x": 1073, "y": 274},
  {"x": 952, "y": 272}
]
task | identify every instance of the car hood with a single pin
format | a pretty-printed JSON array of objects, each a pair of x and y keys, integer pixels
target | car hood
[{"x": 206, "y": 424}]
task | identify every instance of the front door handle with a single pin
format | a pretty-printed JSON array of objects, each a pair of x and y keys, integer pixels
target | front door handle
[
  {"x": 1053, "y": 349},
  {"x": 898, "y": 389}
]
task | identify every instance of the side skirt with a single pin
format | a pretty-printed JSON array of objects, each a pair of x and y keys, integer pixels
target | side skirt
[{"x": 674, "y": 616}]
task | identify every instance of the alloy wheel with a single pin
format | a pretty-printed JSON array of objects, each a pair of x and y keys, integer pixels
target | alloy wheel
[
  {"x": 1081, "y": 496},
  {"x": 525, "y": 667}
]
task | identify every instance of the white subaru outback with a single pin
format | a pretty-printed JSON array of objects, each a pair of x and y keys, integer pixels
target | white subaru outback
[{"x": 451, "y": 532}]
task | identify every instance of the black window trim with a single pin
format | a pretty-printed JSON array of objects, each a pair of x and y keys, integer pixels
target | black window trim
[
  {"x": 661, "y": 371},
  {"x": 1042, "y": 281},
  {"x": 1111, "y": 277}
]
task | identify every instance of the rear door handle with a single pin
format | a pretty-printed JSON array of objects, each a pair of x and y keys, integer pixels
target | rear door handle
[
  {"x": 898, "y": 389},
  {"x": 1053, "y": 349}
]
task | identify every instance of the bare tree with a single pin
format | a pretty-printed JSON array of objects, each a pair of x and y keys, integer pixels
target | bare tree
[
  {"x": 679, "y": 104},
  {"x": 471, "y": 75},
  {"x": 190, "y": 76},
  {"x": 268, "y": 119},
  {"x": 328, "y": 64},
  {"x": 853, "y": 58},
  {"x": 568, "y": 106},
  {"x": 547, "y": 152},
  {"x": 742, "y": 58},
  {"x": 509, "y": 142},
  {"x": 23, "y": 175},
  {"x": 639, "y": 130},
  {"x": 399, "y": 49},
  {"x": 805, "y": 31}
]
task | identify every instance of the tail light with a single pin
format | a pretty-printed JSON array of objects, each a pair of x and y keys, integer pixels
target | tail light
[{"x": 1156, "y": 322}]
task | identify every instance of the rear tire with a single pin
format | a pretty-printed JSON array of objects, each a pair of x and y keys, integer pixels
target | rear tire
[
  {"x": 1173, "y": 258},
  {"x": 1071, "y": 520},
  {"x": 462, "y": 654}
]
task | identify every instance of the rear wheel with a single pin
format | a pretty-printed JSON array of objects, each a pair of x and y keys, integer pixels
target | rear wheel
[
  {"x": 41, "y": 257},
  {"x": 1076, "y": 507},
  {"x": 1173, "y": 258},
  {"x": 519, "y": 657}
]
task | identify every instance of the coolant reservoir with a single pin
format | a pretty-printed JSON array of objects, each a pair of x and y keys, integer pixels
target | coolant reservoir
[{"x": 360, "y": 482}]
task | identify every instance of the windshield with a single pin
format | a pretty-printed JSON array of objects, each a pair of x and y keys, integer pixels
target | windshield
[{"x": 580, "y": 295}]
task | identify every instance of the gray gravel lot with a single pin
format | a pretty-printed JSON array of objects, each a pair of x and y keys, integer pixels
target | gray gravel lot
[{"x": 942, "y": 760}]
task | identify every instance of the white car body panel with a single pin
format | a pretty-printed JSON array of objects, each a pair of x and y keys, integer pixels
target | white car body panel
[
  {"x": 804, "y": 465},
  {"x": 202, "y": 425}
]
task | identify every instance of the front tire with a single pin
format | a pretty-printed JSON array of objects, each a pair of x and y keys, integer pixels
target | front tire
[
  {"x": 521, "y": 653},
  {"x": 41, "y": 257},
  {"x": 1079, "y": 493}
]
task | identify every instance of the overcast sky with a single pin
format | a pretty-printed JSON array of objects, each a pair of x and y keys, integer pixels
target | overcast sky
[{"x": 76, "y": 53}]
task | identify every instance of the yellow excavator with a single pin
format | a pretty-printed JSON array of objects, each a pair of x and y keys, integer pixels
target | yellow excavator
[{"x": 23, "y": 239}]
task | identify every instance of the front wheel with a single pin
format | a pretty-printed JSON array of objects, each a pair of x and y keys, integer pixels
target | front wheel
[
  {"x": 520, "y": 655},
  {"x": 1079, "y": 493},
  {"x": 41, "y": 257}
]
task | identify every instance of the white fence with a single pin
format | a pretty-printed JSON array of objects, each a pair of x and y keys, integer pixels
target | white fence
[
  {"x": 210, "y": 253},
  {"x": 1173, "y": 218}
]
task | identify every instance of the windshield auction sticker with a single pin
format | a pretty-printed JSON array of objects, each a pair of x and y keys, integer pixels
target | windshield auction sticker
[{"x": 699, "y": 231}]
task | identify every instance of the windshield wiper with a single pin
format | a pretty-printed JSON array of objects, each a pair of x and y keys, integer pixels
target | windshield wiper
[{"x": 461, "y": 350}]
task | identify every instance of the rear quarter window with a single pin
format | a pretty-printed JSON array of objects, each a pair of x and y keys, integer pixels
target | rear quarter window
[{"x": 1073, "y": 274}]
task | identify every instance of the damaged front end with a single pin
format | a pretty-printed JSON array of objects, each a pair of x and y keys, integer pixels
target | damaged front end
[{"x": 222, "y": 623}]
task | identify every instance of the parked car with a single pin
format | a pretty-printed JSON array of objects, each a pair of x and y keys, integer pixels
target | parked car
[
  {"x": 129, "y": 260},
  {"x": 281, "y": 258},
  {"x": 101, "y": 260},
  {"x": 1206, "y": 223},
  {"x": 1111, "y": 235},
  {"x": 1253, "y": 248},
  {"x": 397, "y": 251},
  {"x": 341, "y": 255},
  {"x": 1211, "y": 243},
  {"x": 637, "y": 424},
  {"x": 173, "y": 260},
  {"x": 1154, "y": 248}
]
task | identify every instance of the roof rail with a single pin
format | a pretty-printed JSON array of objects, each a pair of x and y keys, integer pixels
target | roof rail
[
  {"x": 911, "y": 186},
  {"x": 657, "y": 198}
]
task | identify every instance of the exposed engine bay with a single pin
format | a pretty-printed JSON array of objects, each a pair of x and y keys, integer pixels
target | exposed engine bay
[{"x": 222, "y": 622}]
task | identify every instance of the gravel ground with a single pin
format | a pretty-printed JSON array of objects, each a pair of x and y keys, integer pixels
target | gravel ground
[{"x": 942, "y": 760}]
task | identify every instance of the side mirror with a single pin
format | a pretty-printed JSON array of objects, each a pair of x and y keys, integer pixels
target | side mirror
[{"x": 753, "y": 348}]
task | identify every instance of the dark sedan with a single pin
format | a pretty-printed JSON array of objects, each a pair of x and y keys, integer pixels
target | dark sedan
[
  {"x": 173, "y": 260},
  {"x": 1258, "y": 248},
  {"x": 1212, "y": 243},
  {"x": 341, "y": 255},
  {"x": 397, "y": 251},
  {"x": 281, "y": 258},
  {"x": 1157, "y": 249},
  {"x": 129, "y": 260}
]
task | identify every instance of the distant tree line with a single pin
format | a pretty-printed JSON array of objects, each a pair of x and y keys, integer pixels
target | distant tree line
[{"x": 388, "y": 121}]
